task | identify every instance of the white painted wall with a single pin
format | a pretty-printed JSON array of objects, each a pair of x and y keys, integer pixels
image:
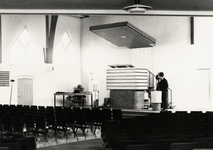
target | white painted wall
[
  {"x": 97, "y": 54},
  {"x": 173, "y": 54},
  {"x": 63, "y": 78}
]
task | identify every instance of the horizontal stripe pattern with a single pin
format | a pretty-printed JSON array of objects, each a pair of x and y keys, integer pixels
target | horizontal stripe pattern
[
  {"x": 127, "y": 78},
  {"x": 127, "y": 81},
  {"x": 4, "y": 78},
  {"x": 127, "y": 88}
]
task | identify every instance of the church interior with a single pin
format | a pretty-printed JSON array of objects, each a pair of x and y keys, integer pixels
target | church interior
[{"x": 77, "y": 59}]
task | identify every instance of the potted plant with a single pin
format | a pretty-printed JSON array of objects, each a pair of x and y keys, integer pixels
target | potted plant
[{"x": 78, "y": 89}]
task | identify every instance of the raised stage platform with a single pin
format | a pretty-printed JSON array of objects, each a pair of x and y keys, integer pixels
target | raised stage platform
[
  {"x": 137, "y": 112},
  {"x": 144, "y": 112},
  {"x": 128, "y": 113}
]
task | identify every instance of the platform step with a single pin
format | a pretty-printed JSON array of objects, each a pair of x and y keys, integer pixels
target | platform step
[{"x": 137, "y": 112}]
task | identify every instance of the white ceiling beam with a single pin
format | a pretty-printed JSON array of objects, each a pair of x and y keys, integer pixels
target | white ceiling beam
[{"x": 105, "y": 12}]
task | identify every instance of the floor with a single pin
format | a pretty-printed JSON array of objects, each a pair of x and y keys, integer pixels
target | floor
[{"x": 62, "y": 140}]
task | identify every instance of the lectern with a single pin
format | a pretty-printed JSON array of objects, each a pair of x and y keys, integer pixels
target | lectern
[{"x": 156, "y": 100}]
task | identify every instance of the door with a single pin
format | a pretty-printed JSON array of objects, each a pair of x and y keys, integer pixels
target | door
[
  {"x": 25, "y": 91},
  {"x": 203, "y": 88}
]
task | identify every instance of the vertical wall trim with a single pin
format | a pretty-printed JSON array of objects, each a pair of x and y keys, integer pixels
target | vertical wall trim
[
  {"x": 50, "y": 36},
  {"x": 47, "y": 37},
  {"x": 192, "y": 30},
  {"x": 47, "y": 29},
  {"x": 0, "y": 40}
]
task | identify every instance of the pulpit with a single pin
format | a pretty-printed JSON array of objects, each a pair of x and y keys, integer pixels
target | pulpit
[{"x": 127, "y": 87}]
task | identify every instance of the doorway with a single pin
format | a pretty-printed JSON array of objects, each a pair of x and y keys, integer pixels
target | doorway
[
  {"x": 203, "y": 88},
  {"x": 25, "y": 91}
]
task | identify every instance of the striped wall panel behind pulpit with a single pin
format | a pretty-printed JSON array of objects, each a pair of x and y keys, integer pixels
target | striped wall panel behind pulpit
[{"x": 127, "y": 79}]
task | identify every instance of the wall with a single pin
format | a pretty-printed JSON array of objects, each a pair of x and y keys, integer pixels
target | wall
[
  {"x": 173, "y": 54},
  {"x": 97, "y": 54},
  {"x": 46, "y": 80}
]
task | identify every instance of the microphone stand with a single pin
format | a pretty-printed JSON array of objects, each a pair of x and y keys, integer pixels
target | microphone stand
[{"x": 11, "y": 90}]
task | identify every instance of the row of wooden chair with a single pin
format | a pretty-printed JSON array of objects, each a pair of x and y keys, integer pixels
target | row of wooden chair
[
  {"x": 121, "y": 140},
  {"x": 36, "y": 120},
  {"x": 173, "y": 146},
  {"x": 165, "y": 131}
]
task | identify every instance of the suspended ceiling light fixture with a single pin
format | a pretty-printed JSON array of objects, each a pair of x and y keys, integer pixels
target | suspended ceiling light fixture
[{"x": 137, "y": 7}]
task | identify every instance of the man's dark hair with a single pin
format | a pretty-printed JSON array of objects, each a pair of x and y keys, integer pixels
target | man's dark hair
[{"x": 161, "y": 74}]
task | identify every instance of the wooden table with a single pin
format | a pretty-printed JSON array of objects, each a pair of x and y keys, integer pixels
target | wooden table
[{"x": 72, "y": 94}]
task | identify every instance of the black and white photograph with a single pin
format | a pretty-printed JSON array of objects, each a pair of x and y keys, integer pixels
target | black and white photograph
[{"x": 106, "y": 75}]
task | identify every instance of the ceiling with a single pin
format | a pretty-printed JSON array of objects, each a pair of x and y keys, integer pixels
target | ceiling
[
  {"x": 106, "y": 7},
  {"x": 124, "y": 34}
]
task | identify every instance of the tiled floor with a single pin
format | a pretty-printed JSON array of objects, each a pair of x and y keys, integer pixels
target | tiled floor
[{"x": 62, "y": 140}]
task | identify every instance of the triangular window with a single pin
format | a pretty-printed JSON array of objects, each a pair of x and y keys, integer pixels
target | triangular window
[
  {"x": 65, "y": 52},
  {"x": 25, "y": 50}
]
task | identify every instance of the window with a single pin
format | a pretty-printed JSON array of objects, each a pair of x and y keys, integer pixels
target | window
[
  {"x": 65, "y": 52},
  {"x": 25, "y": 50}
]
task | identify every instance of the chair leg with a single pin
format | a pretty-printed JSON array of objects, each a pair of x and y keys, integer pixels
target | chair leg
[
  {"x": 73, "y": 129},
  {"x": 83, "y": 130},
  {"x": 65, "y": 134},
  {"x": 76, "y": 133},
  {"x": 91, "y": 128},
  {"x": 85, "y": 134},
  {"x": 36, "y": 137},
  {"x": 94, "y": 132},
  {"x": 56, "y": 137},
  {"x": 45, "y": 136}
]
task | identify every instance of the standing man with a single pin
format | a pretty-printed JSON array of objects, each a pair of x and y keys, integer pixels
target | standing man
[{"x": 163, "y": 87}]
